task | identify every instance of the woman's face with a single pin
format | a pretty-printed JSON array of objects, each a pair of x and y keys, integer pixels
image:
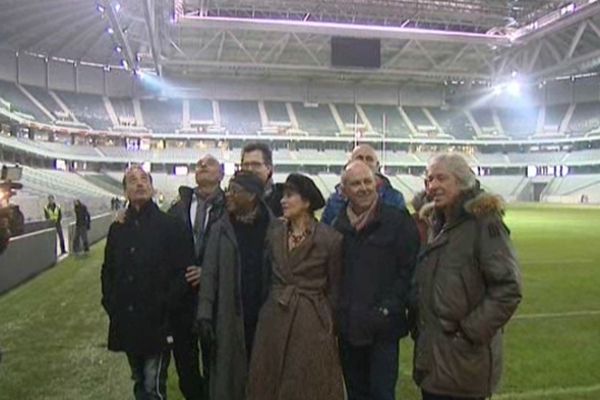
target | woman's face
[
  {"x": 293, "y": 205},
  {"x": 442, "y": 186}
]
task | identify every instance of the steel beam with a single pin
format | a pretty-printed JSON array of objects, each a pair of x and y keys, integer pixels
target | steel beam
[{"x": 341, "y": 29}]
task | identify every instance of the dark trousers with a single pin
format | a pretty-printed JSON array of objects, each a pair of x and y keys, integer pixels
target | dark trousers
[
  {"x": 61, "y": 238},
  {"x": 149, "y": 374},
  {"x": 371, "y": 371},
  {"x": 431, "y": 396},
  {"x": 192, "y": 385},
  {"x": 80, "y": 236}
]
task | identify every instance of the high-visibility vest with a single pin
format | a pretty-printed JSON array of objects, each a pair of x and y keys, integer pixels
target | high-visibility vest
[{"x": 53, "y": 214}]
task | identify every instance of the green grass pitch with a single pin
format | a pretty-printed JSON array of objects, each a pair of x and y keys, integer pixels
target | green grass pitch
[{"x": 53, "y": 330}]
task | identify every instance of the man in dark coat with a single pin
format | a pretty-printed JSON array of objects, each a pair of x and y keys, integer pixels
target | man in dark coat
[
  {"x": 380, "y": 249},
  {"x": 142, "y": 283},
  {"x": 387, "y": 194},
  {"x": 82, "y": 226},
  {"x": 198, "y": 208},
  {"x": 233, "y": 285},
  {"x": 258, "y": 159}
]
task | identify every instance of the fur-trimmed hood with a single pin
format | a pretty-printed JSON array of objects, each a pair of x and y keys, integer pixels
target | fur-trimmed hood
[{"x": 479, "y": 206}]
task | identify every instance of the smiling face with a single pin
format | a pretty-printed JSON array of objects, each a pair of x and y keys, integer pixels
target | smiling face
[
  {"x": 359, "y": 186},
  {"x": 293, "y": 205},
  {"x": 442, "y": 186}
]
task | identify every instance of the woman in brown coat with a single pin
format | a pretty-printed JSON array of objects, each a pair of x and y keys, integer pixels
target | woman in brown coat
[{"x": 295, "y": 354}]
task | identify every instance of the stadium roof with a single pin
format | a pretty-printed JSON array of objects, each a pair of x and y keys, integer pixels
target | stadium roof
[{"x": 430, "y": 40}]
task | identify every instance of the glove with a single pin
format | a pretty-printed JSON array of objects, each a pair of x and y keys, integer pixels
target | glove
[{"x": 205, "y": 330}]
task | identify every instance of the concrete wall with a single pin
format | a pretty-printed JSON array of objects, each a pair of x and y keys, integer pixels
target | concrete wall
[{"x": 30, "y": 254}]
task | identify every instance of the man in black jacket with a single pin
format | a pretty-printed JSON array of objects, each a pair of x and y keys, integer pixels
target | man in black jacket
[
  {"x": 380, "y": 249},
  {"x": 143, "y": 280},
  {"x": 258, "y": 159},
  {"x": 198, "y": 209},
  {"x": 82, "y": 226}
]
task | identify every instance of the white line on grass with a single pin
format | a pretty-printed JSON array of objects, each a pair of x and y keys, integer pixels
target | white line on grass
[
  {"x": 584, "y": 313},
  {"x": 542, "y": 393},
  {"x": 558, "y": 262}
]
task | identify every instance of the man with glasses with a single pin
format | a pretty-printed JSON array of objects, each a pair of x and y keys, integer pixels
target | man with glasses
[
  {"x": 258, "y": 159},
  {"x": 198, "y": 208}
]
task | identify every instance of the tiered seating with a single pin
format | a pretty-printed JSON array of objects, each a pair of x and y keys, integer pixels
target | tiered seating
[
  {"x": 11, "y": 93},
  {"x": 491, "y": 158},
  {"x": 396, "y": 127},
  {"x": 453, "y": 122},
  {"x": 276, "y": 111},
  {"x": 583, "y": 156},
  {"x": 315, "y": 120},
  {"x": 483, "y": 117},
  {"x": 163, "y": 116},
  {"x": 43, "y": 97},
  {"x": 417, "y": 117},
  {"x": 551, "y": 158},
  {"x": 518, "y": 122},
  {"x": 554, "y": 117},
  {"x": 505, "y": 186},
  {"x": 574, "y": 183},
  {"x": 88, "y": 108},
  {"x": 586, "y": 117},
  {"x": 201, "y": 110},
  {"x": 124, "y": 109},
  {"x": 241, "y": 117},
  {"x": 348, "y": 113}
]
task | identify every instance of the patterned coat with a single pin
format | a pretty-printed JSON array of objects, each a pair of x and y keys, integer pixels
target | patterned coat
[{"x": 295, "y": 355}]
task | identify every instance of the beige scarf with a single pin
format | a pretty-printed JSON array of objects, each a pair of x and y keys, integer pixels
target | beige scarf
[{"x": 359, "y": 221}]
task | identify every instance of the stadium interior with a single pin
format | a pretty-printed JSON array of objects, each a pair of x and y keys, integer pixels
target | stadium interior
[{"x": 89, "y": 87}]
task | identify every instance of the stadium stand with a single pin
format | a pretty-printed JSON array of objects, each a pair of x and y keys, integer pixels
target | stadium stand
[
  {"x": 20, "y": 102},
  {"x": 554, "y": 117},
  {"x": 88, "y": 108},
  {"x": 162, "y": 115},
  {"x": 519, "y": 122},
  {"x": 453, "y": 122},
  {"x": 585, "y": 118},
  {"x": 395, "y": 125},
  {"x": 276, "y": 111},
  {"x": 240, "y": 117},
  {"x": 315, "y": 120}
]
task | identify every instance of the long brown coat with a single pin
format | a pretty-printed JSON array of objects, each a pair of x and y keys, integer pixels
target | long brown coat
[{"x": 295, "y": 353}]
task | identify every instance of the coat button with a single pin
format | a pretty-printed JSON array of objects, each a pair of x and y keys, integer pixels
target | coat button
[
  {"x": 130, "y": 278},
  {"x": 130, "y": 308},
  {"x": 132, "y": 250}
]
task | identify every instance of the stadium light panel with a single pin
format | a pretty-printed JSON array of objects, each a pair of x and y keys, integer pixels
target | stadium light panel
[
  {"x": 514, "y": 88},
  {"x": 100, "y": 8},
  {"x": 110, "y": 30},
  {"x": 125, "y": 64},
  {"x": 117, "y": 7}
]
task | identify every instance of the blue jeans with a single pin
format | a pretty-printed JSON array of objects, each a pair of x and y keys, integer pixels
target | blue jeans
[
  {"x": 149, "y": 374},
  {"x": 371, "y": 372}
]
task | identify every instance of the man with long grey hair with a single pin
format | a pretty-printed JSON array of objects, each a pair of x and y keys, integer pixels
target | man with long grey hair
[{"x": 467, "y": 286}]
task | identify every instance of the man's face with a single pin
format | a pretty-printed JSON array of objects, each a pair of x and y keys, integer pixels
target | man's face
[
  {"x": 208, "y": 171},
  {"x": 367, "y": 155},
  {"x": 238, "y": 200},
  {"x": 253, "y": 161},
  {"x": 138, "y": 188},
  {"x": 359, "y": 186},
  {"x": 442, "y": 186}
]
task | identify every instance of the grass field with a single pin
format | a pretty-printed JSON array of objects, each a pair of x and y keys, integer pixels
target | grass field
[{"x": 53, "y": 330}]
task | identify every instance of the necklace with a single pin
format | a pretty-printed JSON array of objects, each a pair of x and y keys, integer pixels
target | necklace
[{"x": 295, "y": 239}]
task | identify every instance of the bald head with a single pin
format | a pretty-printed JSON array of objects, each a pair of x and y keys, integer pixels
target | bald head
[
  {"x": 208, "y": 172},
  {"x": 359, "y": 186},
  {"x": 366, "y": 154}
]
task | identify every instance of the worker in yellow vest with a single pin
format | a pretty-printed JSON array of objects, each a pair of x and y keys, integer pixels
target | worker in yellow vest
[{"x": 53, "y": 213}]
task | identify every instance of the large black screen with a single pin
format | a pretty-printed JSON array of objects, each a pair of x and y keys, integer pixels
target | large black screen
[{"x": 350, "y": 52}]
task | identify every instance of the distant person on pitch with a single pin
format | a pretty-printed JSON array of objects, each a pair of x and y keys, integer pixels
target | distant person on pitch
[
  {"x": 82, "y": 226},
  {"x": 387, "y": 194},
  {"x": 53, "y": 213},
  {"x": 143, "y": 282}
]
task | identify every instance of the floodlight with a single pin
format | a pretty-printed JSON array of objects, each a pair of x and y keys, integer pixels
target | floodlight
[
  {"x": 110, "y": 30},
  {"x": 514, "y": 88},
  {"x": 117, "y": 7},
  {"x": 100, "y": 8}
]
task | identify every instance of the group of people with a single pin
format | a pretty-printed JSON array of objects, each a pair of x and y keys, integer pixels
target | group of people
[
  {"x": 255, "y": 299},
  {"x": 53, "y": 214}
]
